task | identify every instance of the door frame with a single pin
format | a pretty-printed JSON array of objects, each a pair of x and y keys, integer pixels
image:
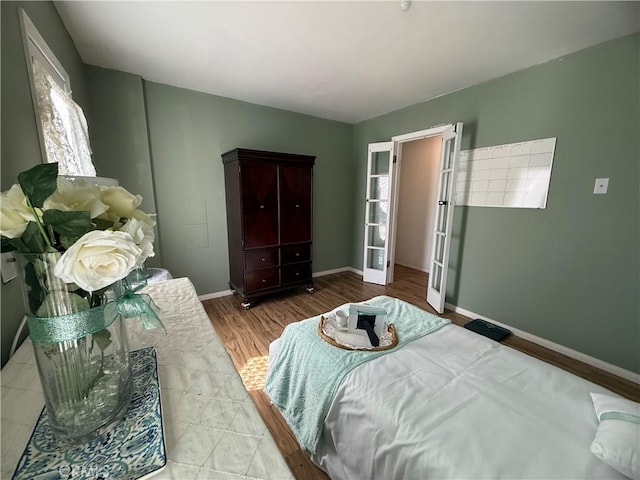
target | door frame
[{"x": 395, "y": 188}]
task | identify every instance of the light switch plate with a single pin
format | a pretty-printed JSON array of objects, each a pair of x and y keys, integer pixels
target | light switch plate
[
  {"x": 8, "y": 267},
  {"x": 601, "y": 186}
]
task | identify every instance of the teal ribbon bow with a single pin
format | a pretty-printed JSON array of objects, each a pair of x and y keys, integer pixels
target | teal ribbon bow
[
  {"x": 133, "y": 304},
  {"x": 47, "y": 330}
]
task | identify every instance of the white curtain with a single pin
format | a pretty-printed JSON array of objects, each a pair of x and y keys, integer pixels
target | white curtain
[{"x": 64, "y": 127}]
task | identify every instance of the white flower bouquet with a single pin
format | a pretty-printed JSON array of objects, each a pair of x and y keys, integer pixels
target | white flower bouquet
[
  {"x": 77, "y": 243},
  {"x": 100, "y": 231}
]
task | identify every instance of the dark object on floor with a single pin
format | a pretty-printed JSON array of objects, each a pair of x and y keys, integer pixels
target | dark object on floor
[{"x": 488, "y": 329}]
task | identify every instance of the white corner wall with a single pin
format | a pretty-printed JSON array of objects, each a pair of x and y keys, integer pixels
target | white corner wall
[{"x": 417, "y": 202}]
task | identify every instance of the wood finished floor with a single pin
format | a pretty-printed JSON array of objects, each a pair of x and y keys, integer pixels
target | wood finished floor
[{"x": 246, "y": 335}]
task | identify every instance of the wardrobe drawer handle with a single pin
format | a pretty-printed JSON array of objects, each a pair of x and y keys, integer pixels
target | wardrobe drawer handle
[
  {"x": 264, "y": 280},
  {"x": 297, "y": 254},
  {"x": 263, "y": 259},
  {"x": 262, "y": 206},
  {"x": 297, "y": 205}
]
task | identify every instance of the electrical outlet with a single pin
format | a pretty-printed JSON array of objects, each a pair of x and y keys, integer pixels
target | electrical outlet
[{"x": 601, "y": 186}]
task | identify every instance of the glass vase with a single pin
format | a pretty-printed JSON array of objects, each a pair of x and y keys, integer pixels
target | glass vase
[{"x": 81, "y": 352}]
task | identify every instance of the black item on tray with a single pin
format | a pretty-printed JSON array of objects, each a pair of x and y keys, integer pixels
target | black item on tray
[{"x": 366, "y": 323}]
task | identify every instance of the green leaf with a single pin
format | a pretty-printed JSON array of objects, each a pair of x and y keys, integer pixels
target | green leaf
[
  {"x": 102, "y": 224},
  {"x": 33, "y": 239},
  {"x": 39, "y": 182},
  {"x": 7, "y": 247},
  {"x": 102, "y": 338},
  {"x": 35, "y": 290},
  {"x": 68, "y": 224},
  {"x": 13, "y": 245},
  {"x": 66, "y": 242}
]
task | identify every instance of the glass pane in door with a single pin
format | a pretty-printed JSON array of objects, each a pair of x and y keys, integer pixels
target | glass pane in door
[
  {"x": 436, "y": 277},
  {"x": 378, "y": 212},
  {"x": 380, "y": 162},
  {"x": 375, "y": 258},
  {"x": 379, "y": 188},
  {"x": 377, "y": 236}
]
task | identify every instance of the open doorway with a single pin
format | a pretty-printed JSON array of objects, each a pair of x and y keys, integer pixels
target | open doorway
[
  {"x": 381, "y": 202},
  {"x": 418, "y": 167}
]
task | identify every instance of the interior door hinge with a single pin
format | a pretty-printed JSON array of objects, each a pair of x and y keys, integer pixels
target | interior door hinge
[
  {"x": 388, "y": 263},
  {"x": 395, "y": 158}
]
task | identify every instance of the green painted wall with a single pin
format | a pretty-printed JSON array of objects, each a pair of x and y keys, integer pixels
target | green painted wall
[
  {"x": 20, "y": 143},
  {"x": 118, "y": 129},
  {"x": 188, "y": 132},
  {"x": 568, "y": 273}
]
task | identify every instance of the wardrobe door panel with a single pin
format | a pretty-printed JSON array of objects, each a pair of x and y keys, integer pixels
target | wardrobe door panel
[
  {"x": 259, "y": 204},
  {"x": 295, "y": 204}
]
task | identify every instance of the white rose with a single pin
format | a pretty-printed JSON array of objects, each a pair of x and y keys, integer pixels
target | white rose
[
  {"x": 121, "y": 203},
  {"x": 15, "y": 214},
  {"x": 145, "y": 217},
  {"x": 98, "y": 259},
  {"x": 143, "y": 235},
  {"x": 76, "y": 196}
]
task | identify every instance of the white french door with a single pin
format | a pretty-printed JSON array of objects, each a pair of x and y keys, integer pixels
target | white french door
[
  {"x": 381, "y": 197},
  {"x": 437, "y": 286},
  {"x": 380, "y": 170}
]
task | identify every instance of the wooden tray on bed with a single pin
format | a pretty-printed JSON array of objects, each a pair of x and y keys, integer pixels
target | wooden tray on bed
[{"x": 325, "y": 322}]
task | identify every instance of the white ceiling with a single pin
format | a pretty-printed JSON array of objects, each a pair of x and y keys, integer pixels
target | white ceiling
[{"x": 346, "y": 61}]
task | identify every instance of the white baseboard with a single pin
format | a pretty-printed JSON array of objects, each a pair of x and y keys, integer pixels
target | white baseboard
[
  {"x": 412, "y": 267},
  {"x": 338, "y": 270},
  {"x": 329, "y": 272},
  {"x": 224, "y": 293},
  {"x": 355, "y": 270},
  {"x": 602, "y": 365},
  {"x": 209, "y": 296}
]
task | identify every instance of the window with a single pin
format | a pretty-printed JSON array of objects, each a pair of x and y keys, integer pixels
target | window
[{"x": 62, "y": 126}]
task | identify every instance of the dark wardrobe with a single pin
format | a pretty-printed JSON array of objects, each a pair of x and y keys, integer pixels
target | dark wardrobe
[{"x": 269, "y": 221}]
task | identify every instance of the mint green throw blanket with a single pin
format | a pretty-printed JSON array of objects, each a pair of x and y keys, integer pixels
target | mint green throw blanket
[{"x": 308, "y": 371}]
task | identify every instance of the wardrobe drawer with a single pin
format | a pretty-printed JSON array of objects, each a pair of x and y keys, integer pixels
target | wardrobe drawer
[
  {"x": 258, "y": 259},
  {"x": 300, "y": 272},
  {"x": 262, "y": 279},
  {"x": 296, "y": 253}
]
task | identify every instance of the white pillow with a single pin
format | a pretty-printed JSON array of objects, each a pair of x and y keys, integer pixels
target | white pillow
[{"x": 617, "y": 440}]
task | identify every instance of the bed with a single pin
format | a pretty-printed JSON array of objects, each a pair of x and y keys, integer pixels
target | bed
[{"x": 449, "y": 403}]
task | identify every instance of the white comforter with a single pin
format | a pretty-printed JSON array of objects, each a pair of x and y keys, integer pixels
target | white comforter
[{"x": 454, "y": 404}]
